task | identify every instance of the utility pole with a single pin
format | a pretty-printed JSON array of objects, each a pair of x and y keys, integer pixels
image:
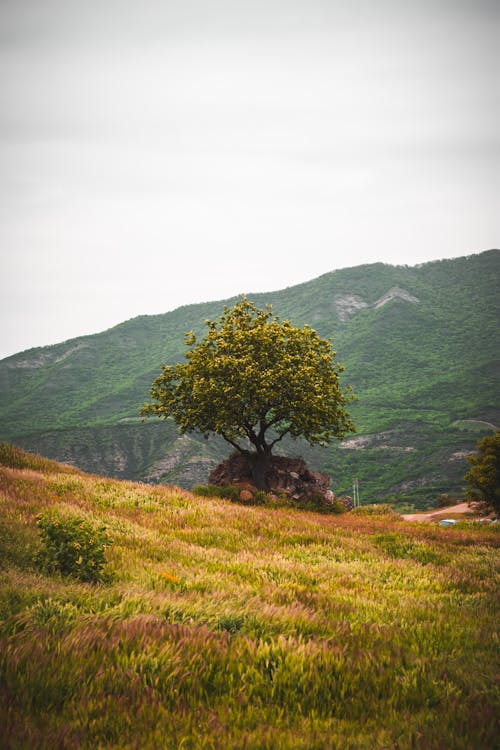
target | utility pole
[{"x": 355, "y": 492}]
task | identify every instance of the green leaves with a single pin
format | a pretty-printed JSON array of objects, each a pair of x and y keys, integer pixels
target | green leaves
[
  {"x": 71, "y": 545},
  {"x": 484, "y": 476},
  {"x": 254, "y": 378}
]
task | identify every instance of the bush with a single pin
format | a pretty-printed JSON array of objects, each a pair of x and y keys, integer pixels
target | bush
[
  {"x": 484, "y": 476},
  {"x": 72, "y": 546},
  {"x": 317, "y": 504},
  {"x": 225, "y": 491},
  {"x": 444, "y": 500},
  {"x": 337, "y": 507}
]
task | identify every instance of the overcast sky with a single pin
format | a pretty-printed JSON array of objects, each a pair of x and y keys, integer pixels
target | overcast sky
[{"x": 155, "y": 153}]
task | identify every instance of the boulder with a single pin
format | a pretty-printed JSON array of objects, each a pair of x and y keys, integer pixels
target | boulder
[{"x": 246, "y": 496}]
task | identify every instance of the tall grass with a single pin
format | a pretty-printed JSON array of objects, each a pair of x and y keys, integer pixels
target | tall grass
[{"x": 223, "y": 626}]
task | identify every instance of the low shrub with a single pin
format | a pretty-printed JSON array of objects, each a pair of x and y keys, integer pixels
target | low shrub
[
  {"x": 445, "y": 501},
  {"x": 72, "y": 546},
  {"x": 225, "y": 491},
  {"x": 317, "y": 504},
  {"x": 232, "y": 623},
  {"x": 337, "y": 507}
]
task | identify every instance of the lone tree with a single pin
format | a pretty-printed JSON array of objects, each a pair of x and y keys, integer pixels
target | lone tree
[
  {"x": 484, "y": 476},
  {"x": 252, "y": 380}
]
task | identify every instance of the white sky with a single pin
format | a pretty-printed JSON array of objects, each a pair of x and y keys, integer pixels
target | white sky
[{"x": 155, "y": 153}]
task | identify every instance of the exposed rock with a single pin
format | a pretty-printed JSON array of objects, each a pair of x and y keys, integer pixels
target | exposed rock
[
  {"x": 291, "y": 476},
  {"x": 348, "y": 304},
  {"x": 357, "y": 443},
  {"x": 395, "y": 293},
  {"x": 41, "y": 358},
  {"x": 460, "y": 455},
  {"x": 397, "y": 448},
  {"x": 246, "y": 496},
  {"x": 374, "y": 442}
]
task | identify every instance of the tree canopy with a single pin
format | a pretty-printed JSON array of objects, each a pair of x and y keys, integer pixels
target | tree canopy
[
  {"x": 484, "y": 476},
  {"x": 252, "y": 380}
]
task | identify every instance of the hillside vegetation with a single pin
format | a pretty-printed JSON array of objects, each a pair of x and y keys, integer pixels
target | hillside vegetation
[
  {"x": 420, "y": 347},
  {"x": 223, "y": 626}
]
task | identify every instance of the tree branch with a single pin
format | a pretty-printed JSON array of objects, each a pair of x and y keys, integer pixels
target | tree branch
[
  {"x": 279, "y": 438},
  {"x": 254, "y": 439},
  {"x": 233, "y": 443}
]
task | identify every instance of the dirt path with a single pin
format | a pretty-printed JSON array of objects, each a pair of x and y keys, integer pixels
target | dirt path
[
  {"x": 435, "y": 515},
  {"x": 477, "y": 421}
]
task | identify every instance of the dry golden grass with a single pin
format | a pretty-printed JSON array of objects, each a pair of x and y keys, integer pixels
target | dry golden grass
[{"x": 224, "y": 626}]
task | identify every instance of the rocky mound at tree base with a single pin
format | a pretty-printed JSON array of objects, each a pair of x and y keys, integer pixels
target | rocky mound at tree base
[{"x": 290, "y": 476}]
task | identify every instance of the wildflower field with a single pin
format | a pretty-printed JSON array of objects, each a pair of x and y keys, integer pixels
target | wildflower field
[{"x": 216, "y": 625}]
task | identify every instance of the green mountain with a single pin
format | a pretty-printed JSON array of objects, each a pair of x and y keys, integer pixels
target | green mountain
[{"x": 420, "y": 346}]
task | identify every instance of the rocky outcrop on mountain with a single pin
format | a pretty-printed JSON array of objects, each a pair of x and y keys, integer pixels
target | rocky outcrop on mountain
[{"x": 347, "y": 305}]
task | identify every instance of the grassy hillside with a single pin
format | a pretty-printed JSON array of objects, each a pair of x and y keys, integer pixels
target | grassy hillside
[
  {"x": 224, "y": 626},
  {"x": 420, "y": 346}
]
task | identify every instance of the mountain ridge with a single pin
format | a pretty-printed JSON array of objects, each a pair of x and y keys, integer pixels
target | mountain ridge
[{"x": 229, "y": 300}]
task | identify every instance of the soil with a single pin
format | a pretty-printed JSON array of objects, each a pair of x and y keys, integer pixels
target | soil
[{"x": 452, "y": 511}]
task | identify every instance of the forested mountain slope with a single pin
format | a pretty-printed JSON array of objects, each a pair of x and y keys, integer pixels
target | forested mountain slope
[{"x": 420, "y": 347}]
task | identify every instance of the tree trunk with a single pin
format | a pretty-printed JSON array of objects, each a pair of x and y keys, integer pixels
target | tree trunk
[{"x": 260, "y": 463}]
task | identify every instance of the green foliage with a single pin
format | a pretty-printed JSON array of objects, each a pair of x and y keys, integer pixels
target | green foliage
[
  {"x": 231, "y": 622},
  {"x": 337, "y": 507},
  {"x": 316, "y": 504},
  {"x": 444, "y": 500},
  {"x": 484, "y": 476},
  {"x": 374, "y": 509},
  {"x": 72, "y": 546},
  {"x": 254, "y": 379},
  {"x": 227, "y": 491}
]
